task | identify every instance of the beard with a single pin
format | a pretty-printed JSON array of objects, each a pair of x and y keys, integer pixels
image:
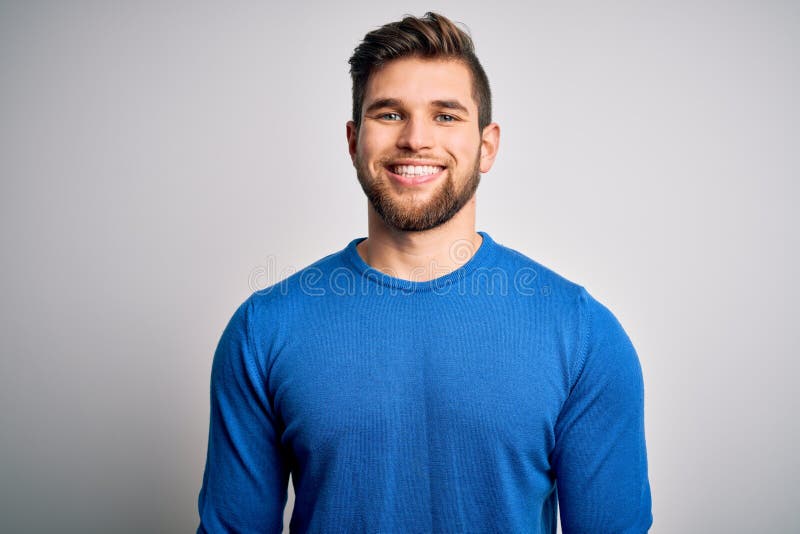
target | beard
[{"x": 408, "y": 215}]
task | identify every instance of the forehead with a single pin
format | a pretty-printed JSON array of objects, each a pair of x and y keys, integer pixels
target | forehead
[{"x": 416, "y": 80}]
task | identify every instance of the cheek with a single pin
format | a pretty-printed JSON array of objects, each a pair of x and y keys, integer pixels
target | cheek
[
  {"x": 371, "y": 145},
  {"x": 466, "y": 147}
]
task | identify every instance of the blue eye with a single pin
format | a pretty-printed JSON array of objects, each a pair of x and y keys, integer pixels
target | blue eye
[
  {"x": 390, "y": 116},
  {"x": 445, "y": 118}
]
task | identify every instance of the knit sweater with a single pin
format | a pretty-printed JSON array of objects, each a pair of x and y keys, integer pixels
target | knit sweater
[{"x": 480, "y": 401}]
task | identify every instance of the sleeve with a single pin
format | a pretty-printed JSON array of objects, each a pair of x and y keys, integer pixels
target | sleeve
[
  {"x": 246, "y": 474},
  {"x": 599, "y": 458}
]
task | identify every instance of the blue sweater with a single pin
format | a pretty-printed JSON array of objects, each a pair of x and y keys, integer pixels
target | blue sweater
[{"x": 480, "y": 401}]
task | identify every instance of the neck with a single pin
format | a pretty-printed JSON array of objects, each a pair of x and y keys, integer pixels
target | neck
[{"x": 421, "y": 256}]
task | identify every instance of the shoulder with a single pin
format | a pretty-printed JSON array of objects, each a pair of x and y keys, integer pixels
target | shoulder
[
  {"x": 298, "y": 287},
  {"x": 598, "y": 334},
  {"x": 552, "y": 284},
  {"x": 531, "y": 276},
  {"x": 268, "y": 314},
  {"x": 261, "y": 324}
]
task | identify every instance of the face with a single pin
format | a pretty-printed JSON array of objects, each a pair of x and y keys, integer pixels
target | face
[{"x": 419, "y": 152}]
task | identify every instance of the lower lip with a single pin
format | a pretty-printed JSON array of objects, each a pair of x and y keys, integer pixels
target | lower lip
[{"x": 414, "y": 180}]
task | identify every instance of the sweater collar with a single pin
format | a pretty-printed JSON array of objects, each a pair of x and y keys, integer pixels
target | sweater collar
[{"x": 481, "y": 258}]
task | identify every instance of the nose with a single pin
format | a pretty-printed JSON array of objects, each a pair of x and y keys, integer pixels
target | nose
[{"x": 415, "y": 135}]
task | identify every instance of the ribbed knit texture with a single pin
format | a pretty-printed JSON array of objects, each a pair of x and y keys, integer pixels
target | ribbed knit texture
[{"x": 453, "y": 405}]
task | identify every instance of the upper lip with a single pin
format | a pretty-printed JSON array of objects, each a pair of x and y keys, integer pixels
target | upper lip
[{"x": 415, "y": 162}]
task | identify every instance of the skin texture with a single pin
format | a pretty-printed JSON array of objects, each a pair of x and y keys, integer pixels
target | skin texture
[{"x": 420, "y": 111}]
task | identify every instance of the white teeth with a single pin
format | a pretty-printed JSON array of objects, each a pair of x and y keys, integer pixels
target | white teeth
[{"x": 415, "y": 170}]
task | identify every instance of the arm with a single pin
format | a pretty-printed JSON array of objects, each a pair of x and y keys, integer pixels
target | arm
[
  {"x": 246, "y": 475},
  {"x": 599, "y": 457}
]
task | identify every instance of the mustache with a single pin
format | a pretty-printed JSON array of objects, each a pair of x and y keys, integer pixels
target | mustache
[{"x": 427, "y": 158}]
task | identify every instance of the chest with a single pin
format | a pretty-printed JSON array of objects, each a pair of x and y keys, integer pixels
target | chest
[{"x": 421, "y": 374}]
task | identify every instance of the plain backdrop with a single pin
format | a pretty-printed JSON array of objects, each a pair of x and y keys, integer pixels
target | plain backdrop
[{"x": 161, "y": 160}]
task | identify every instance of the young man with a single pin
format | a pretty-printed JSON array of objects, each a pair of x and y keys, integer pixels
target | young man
[{"x": 426, "y": 378}]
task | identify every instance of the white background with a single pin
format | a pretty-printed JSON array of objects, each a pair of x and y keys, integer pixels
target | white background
[{"x": 155, "y": 155}]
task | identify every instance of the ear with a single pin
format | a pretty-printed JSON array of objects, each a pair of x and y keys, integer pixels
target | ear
[
  {"x": 490, "y": 143},
  {"x": 352, "y": 140}
]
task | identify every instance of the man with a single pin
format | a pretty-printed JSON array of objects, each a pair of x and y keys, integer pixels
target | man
[{"x": 426, "y": 378}]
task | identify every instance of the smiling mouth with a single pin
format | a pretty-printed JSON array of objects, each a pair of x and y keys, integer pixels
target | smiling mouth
[{"x": 415, "y": 171}]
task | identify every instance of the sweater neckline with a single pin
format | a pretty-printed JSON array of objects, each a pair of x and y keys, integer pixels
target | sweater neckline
[{"x": 482, "y": 256}]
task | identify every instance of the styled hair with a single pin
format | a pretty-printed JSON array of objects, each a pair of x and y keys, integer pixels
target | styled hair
[{"x": 432, "y": 36}]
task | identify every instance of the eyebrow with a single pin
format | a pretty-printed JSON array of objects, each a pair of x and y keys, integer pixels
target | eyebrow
[
  {"x": 395, "y": 103},
  {"x": 451, "y": 104},
  {"x": 382, "y": 103}
]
